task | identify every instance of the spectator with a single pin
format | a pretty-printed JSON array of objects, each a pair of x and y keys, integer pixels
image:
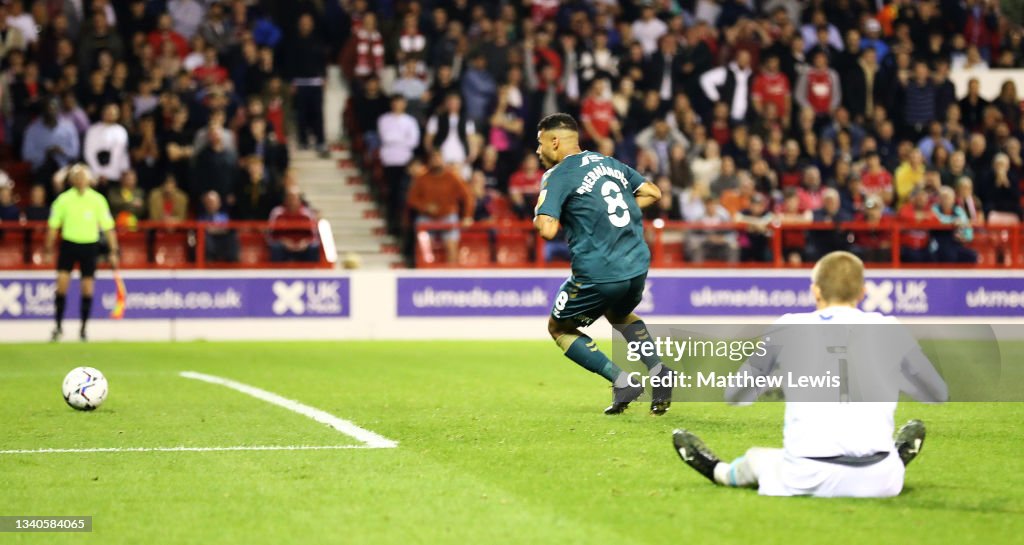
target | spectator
[
  {"x": 50, "y": 143},
  {"x": 771, "y": 87},
  {"x": 754, "y": 240},
  {"x": 452, "y": 134},
  {"x": 933, "y": 140},
  {"x": 794, "y": 241},
  {"x": 707, "y": 168},
  {"x": 413, "y": 88},
  {"x": 478, "y": 90},
  {"x": 919, "y": 100},
  {"x": 810, "y": 193},
  {"x": 187, "y": 16},
  {"x": 524, "y": 187},
  {"x": 731, "y": 84},
  {"x": 97, "y": 40},
  {"x": 597, "y": 115},
  {"x": 506, "y": 134},
  {"x": 658, "y": 140},
  {"x": 667, "y": 207},
  {"x": 307, "y": 68},
  {"x": 968, "y": 201},
  {"x": 909, "y": 175},
  {"x": 400, "y": 136},
  {"x": 127, "y": 200},
  {"x": 168, "y": 203},
  {"x": 957, "y": 169},
  {"x": 106, "y": 147},
  {"x": 293, "y": 235},
  {"x": 369, "y": 105},
  {"x": 364, "y": 55},
  {"x": 916, "y": 243},
  {"x": 255, "y": 140},
  {"x": 215, "y": 124},
  {"x": 220, "y": 241},
  {"x": 648, "y": 29},
  {"x": 709, "y": 244},
  {"x": 253, "y": 197},
  {"x": 973, "y": 105},
  {"x": 876, "y": 177},
  {"x": 9, "y": 210},
  {"x": 214, "y": 170},
  {"x": 1000, "y": 188},
  {"x": 950, "y": 243},
  {"x": 874, "y": 244},
  {"x": 439, "y": 196},
  {"x": 11, "y": 37},
  {"x": 819, "y": 88},
  {"x": 37, "y": 209},
  {"x": 821, "y": 242}
]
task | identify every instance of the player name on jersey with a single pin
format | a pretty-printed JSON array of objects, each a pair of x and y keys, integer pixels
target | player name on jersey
[{"x": 596, "y": 173}]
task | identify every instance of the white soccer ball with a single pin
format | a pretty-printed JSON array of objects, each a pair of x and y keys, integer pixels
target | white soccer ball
[{"x": 85, "y": 388}]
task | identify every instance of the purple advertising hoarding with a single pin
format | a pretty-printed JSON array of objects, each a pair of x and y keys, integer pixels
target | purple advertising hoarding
[
  {"x": 718, "y": 295},
  {"x": 187, "y": 297}
]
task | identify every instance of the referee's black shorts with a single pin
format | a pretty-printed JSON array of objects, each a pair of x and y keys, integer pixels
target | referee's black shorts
[{"x": 85, "y": 255}]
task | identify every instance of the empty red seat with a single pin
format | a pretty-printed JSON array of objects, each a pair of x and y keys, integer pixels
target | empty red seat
[
  {"x": 133, "y": 250},
  {"x": 12, "y": 249},
  {"x": 513, "y": 249},
  {"x": 171, "y": 249},
  {"x": 252, "y": 249},
  {"x": 474, "y": 249}
]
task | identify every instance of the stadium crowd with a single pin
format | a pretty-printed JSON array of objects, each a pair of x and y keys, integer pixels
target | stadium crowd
[
  {"x": 742, "y": 111},
  {"x": 181, "y": 108}
]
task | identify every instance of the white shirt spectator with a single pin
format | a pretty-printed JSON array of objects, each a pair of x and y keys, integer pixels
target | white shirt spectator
[
  {"x": 109, "y": 142},
  {"x": 399, "y": 136},
  {"x": 26, "y": 24},
  {"x": 712, "y": 79},
  {"x": 452, "y": 149},
  {"x": 648, "y": 33},
  {"x": 187, "y": 16}
]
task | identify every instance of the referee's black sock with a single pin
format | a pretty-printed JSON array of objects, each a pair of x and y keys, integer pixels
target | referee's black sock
[
  {"x": 59, "y": 313},
  {"x": 86, "y": 309}
]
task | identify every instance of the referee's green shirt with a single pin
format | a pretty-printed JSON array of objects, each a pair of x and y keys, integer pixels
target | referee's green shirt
[{"x": 81, "y": 216}]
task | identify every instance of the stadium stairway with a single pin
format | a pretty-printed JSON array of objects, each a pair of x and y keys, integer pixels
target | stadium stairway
[{"x": 335, "y": 188}]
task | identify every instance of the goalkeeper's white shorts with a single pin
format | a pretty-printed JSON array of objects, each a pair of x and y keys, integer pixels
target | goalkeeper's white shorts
[{"x": 786, "y": 475}]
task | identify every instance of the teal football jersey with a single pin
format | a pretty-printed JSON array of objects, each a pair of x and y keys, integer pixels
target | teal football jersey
[{"x": 592, "y": 195}]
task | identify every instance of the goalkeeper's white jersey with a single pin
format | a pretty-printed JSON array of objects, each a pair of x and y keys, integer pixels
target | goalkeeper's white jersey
[{"x": 869, "y": 368}]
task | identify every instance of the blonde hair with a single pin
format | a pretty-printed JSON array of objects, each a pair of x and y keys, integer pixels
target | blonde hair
[{"x": 839, "y": 277}]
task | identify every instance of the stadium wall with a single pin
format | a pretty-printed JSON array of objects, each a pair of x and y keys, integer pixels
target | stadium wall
[{"x": 507, "y": 304}]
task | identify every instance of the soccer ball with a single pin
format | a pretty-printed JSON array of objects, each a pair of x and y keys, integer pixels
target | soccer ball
[{"x": 85, "y": 388}]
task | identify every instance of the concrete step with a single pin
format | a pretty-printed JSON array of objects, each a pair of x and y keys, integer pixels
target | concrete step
[{"x": 373, "y": 261}]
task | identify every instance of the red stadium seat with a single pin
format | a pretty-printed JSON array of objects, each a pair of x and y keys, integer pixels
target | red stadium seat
[
  {"x": 252, "y": 248},
  {"x": 474, "y": 249},
  {"x": 12, "y": 249},
  {"x": 172, "y": 249},
  {"x": 133, "y": 249},
  {"x": 513, "y": 249}
]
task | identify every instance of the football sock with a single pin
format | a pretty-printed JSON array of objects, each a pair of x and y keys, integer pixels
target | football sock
[
  {"x": 86, "y": 309},
  {"x": 745, "y": 470},
  {"x": 636, "y": 331},
  {"x": 583, "y": 350},
  {"x": 738, "y": 473},
  {"x": 59, "y": 311}
]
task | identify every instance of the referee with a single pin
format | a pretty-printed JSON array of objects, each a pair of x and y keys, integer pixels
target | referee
[{"x": 79, "y": 213}]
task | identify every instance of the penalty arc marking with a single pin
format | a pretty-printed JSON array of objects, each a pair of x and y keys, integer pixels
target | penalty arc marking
[{"x": 367, "y": 437}]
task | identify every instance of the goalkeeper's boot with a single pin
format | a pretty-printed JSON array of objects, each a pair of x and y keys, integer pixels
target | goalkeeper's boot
[
  {"x": 622, "y": 397},
  {"x": 56, "y": 334},
  {"x": 83, "y": 336},
  {"x": 909, "y": 440},
  {"x": 695, "y": 453},
  {"x": 661, "y": 396}
]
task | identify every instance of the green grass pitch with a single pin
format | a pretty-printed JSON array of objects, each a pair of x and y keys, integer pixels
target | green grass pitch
[{"x": 500, "y": 442}]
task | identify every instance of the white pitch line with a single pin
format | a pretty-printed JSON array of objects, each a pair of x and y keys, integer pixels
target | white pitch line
[
  {"x": 367, "y": 437},
  {"x": 181, "y": 449}
]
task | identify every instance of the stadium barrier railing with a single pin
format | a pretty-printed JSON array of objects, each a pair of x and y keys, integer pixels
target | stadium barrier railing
[
  {"x": 176, "y": 245},
  {"x": 677, "y": 244}
]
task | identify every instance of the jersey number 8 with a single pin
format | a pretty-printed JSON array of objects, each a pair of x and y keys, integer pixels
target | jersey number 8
[{"x": 613, "y": 196}]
